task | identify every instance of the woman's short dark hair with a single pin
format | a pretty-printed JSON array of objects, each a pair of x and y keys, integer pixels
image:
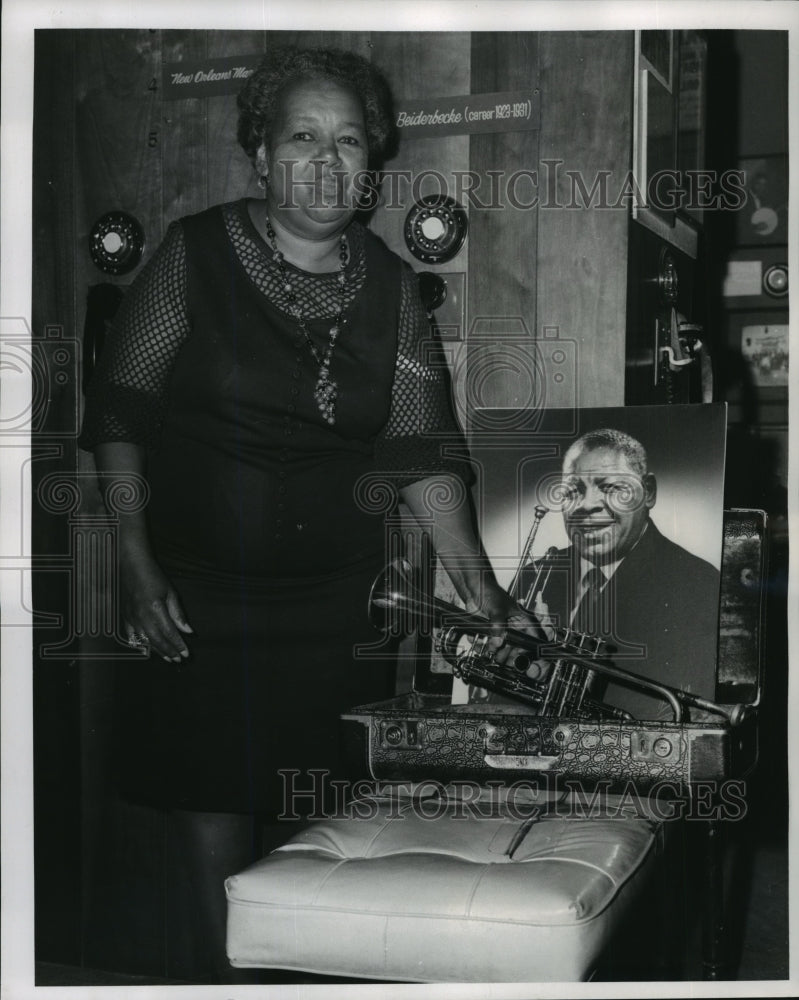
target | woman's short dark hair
[{"x": 259, "y": 99}]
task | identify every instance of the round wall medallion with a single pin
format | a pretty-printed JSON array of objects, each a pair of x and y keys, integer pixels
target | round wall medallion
[
  {"x": 435, "y": 229},
  {"x": 116, "y": 242},
  {"x": 775, "y": 280}
]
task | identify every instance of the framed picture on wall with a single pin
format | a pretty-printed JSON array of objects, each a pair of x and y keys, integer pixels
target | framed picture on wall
[
  {"x": 763, "y": 219},
  {"x": 764, "y": 349},
  {"x": 758, "y": 357}
]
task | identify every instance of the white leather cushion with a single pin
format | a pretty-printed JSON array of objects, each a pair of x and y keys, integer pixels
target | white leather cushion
[{"x": 442, "y": 897}]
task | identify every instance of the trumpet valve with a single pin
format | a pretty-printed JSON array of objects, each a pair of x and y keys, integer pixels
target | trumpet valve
[
  {"x": 467, "y": 647},
  {"x": 520, "y": 661}
]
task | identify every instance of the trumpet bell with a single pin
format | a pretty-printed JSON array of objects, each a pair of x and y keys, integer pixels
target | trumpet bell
[
  {"x": 400, "y": 604},
  {"x": 389, "y": 604}
]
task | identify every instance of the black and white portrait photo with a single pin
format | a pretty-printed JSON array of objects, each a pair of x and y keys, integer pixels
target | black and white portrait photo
[{"x": 636, "y": 495}]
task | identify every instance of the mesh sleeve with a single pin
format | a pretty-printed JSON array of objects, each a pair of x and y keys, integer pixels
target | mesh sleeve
[
  {"x": 127, "y": 396},
  {"x": 421, "y": 437}
]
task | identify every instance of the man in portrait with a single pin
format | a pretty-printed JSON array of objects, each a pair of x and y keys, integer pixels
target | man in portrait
[{"x": 621, "y": 579}]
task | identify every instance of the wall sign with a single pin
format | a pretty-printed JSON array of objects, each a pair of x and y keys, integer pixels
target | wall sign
[
  {"x": 208, "y": 77},
  {"x": 507, "y": 111}
]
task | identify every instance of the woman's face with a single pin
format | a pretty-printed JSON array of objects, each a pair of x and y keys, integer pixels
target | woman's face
[{"x": 314, "y": 155}]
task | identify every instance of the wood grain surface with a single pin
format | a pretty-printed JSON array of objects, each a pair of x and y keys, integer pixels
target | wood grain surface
[{"x": 586, "y": 86}]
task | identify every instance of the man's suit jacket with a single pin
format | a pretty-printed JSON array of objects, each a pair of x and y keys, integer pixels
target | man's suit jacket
[{"x": 662, "y": 606}]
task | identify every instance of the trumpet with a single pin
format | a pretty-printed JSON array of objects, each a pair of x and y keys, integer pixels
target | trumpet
[{"x": 558, "y": 689}]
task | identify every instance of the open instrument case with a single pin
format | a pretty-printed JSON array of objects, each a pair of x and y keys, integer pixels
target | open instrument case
[{"x": 421, "y": 735}]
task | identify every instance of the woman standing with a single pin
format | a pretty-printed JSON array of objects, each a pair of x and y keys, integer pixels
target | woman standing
[{"x": 267, "y": 359}]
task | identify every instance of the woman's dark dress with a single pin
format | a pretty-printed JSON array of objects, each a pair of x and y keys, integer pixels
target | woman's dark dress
[{"x": 265, "y": 518}]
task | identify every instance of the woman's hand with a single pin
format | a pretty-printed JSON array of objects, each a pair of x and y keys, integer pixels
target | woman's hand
[
  {"x": 455, "y": 540},
  {"x": 151, "y": 609},
  {"x": 504, "y": 613},
  {"x": 151, "y": 613}
]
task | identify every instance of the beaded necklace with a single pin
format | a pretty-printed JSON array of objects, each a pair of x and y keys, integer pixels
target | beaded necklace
[{"x": 326, "y": 390}]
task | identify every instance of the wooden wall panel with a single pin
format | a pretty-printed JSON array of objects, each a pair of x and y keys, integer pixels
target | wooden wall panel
[
  {"x": 502, "y": 278},
  {"x": 352, "y": 41},
  {"x": 117, "y": 121},
  {"x": 119, "y": 126},
  {"x": 229, "y": 174},
  {"x": 586, "y": 110},
  {"x": 430, "y": 65},
  {"x": 184, "y": 131}
]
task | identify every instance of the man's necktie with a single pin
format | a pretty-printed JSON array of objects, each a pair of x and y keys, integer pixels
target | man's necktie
[{"x": 588, "y": 617}]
